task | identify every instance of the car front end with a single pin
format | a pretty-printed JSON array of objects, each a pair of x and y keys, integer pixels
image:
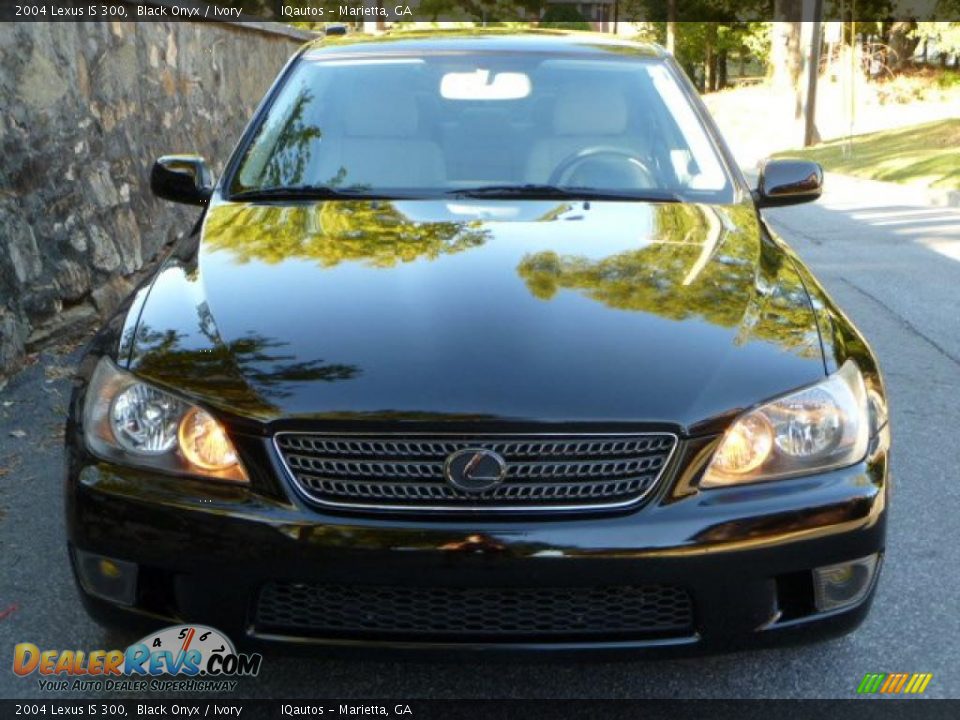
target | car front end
[{"x": 536, "y": 418}]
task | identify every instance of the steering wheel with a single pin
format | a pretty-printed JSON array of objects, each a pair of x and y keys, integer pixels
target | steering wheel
[{"x": 571, "y": 163}]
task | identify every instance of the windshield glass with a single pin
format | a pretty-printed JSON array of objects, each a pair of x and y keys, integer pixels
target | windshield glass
[{"x": 487, "y": 122}]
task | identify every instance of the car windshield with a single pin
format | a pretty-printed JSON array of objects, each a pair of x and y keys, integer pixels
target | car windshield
[{"x": 483, "y": 124}]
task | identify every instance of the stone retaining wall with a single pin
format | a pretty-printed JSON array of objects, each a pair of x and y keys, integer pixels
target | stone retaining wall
[{"x": 86, "y": 109}]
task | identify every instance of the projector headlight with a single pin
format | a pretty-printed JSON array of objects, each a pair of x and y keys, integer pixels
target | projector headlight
[
  {"x": 132, "y": 422},
  {"x": 824, "y": 426}
]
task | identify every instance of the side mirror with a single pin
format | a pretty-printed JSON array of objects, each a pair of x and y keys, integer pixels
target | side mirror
[
  {"x": 788, "y": 182},
  {"x": 182, "y": 178}
]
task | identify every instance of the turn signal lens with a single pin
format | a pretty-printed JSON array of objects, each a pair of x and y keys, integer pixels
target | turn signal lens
[
  {"x": 746, "y": 446},
  {"x": 204, "y": 442}
]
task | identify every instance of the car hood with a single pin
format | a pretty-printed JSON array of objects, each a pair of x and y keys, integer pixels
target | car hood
[{"x": 526, "y": 311}]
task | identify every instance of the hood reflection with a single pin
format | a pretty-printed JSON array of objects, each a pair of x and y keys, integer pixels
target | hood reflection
[
  {"x": 374, "y": 232},
  {"x": 703, "y": 267},
  {"x": 479, "y": 312},
  {"x": 249, "y": 374}
]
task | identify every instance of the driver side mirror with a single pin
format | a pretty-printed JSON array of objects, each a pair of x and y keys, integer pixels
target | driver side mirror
[
  {"x": 788, "y": 182},
  {"x": 182, "y": 178}
]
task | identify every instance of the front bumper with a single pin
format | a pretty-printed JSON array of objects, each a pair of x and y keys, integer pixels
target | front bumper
[{"x": 745, "y": 555}]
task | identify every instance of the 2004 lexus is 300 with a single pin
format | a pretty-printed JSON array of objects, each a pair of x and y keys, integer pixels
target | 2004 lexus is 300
[{"x": 481, "y": 343}]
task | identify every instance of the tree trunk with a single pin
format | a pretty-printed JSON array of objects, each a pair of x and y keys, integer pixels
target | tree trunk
[
  {"x": 710, "y": 59},
  {"x": 721, "y": 70},
  {"x": 672, "y": 26},
  {"x": 814, "y": 42},
  {"x": 786, "y": 55},
  {"x": 901, "y": 43}
]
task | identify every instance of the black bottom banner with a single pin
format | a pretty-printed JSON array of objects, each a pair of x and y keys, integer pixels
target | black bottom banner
[{"x": 486, "y": 709}]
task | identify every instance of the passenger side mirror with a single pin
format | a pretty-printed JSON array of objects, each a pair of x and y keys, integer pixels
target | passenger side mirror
[
  {"x": 182, "y": 178},
  {"x": 788, "y": 182}
]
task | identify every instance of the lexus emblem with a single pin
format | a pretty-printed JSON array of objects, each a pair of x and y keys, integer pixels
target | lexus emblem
[{"x": 474, "y": 470}]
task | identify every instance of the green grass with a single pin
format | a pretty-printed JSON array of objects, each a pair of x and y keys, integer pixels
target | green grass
[{"x": 927, "y": 154}]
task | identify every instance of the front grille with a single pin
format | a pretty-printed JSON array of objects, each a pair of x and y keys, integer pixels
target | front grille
[
  {"x": 542, "y": 472},
  {"x": 474, "y": 614}
]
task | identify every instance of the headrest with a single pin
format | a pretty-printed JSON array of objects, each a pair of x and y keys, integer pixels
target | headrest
[
  {"x": 380, "y": 111},
  {"x": 486, "y": 121},
  {"x": 585, "y": 110}
]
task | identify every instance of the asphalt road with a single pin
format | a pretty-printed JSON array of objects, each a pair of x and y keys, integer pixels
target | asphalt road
[{"x": 892, "y": 262}]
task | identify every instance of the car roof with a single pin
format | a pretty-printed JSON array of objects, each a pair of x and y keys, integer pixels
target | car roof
[{"x": 483, "y": 40}]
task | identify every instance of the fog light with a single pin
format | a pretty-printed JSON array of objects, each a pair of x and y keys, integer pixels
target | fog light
[
  {"x": 109, "y": 569},
  {"x": 844, "y": 584},
  {"x": 107, "y": 578}
]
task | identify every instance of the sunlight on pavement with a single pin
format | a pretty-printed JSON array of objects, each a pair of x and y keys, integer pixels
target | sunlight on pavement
[
  {"x": 886, "y": 214},
  {"x": 951, "y": 220},
  {"x": 947, "y": 248},
  {"x": 899, "y": 213}
]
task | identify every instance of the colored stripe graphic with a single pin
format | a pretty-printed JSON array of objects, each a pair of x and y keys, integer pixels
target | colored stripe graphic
[
  {"x": 871, "y": 682},
  {"x": 919, "y": 683},
  {"x": 894, "y": 683}
]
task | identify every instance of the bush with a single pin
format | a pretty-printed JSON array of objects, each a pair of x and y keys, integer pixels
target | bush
[
  {"x": 563, "y": 17},
  {"x": 918, "y": 83}
]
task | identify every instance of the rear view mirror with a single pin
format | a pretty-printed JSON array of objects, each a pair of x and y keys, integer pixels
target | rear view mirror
[
  {"x": 484, "y": 85},
  {"x": 788, "y": 182},
  {"x": 182, "y": 178}
]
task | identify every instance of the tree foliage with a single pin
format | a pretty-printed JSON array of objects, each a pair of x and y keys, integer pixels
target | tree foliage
[
  {"x": 565, "y": 17},
  {"x": 944, "y": 35},
  {"x": 376, "y": 233}
]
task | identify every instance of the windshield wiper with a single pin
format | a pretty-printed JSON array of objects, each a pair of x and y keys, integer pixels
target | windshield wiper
[
  {"x": 302, "y": 192},
  {"x": 550, "y": 192},
  {"x": 517, "y": 192}
]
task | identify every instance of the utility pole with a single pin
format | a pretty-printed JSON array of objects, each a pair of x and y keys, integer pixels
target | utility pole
[{"x": 810, "y": 135}]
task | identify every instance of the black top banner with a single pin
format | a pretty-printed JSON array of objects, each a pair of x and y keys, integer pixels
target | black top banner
[{"x": 487, "y": 12}]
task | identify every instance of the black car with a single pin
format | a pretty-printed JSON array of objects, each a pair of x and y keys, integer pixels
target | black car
[{"x": 481, "y": 342}]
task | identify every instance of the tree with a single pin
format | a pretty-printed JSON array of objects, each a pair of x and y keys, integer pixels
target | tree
[
  {"x": 703, "y": 48},
  {"x": 944, "y": 36},
  {"x": 565, "y": 17}
]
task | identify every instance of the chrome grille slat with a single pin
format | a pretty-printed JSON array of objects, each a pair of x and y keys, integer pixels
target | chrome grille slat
[{"x": 406, "y": 472}]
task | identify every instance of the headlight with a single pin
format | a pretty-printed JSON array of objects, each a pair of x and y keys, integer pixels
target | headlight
[
  {"x": 144, "y": 420},
  {"x": 132, "y": 422},
  {"x": 821, "y": 427}
]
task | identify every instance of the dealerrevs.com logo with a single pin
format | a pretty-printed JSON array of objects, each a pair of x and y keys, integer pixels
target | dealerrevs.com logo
[{"x": 200, "y": 658}]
